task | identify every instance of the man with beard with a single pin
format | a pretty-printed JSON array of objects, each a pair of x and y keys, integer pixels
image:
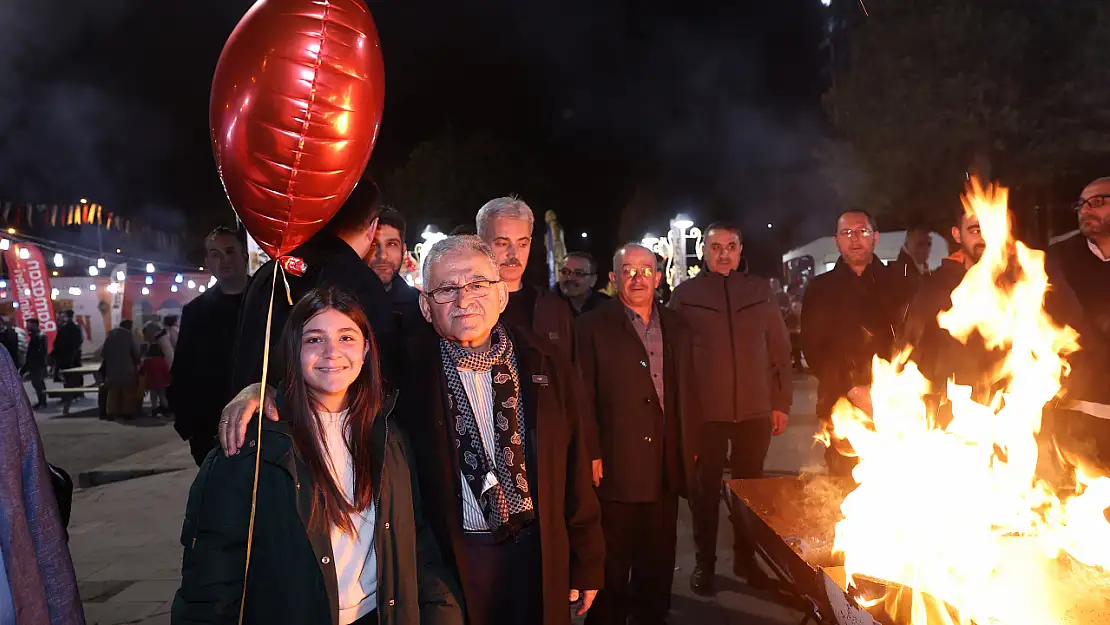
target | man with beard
[
  {"x": 1083, "y": 262},
  {"x": 202, "y": 362},
  {"x": 938, "y": 355},
  {"x": 498, "y": 447},
  {"x": 386, "y": 257},
  {"x": 577, "y": 280},
  {"x": 506, "y": 224},
  {"x": 637, "y": 364},
  {"x": 849, "y": 316},
  {"x": 742, "y": 351}
]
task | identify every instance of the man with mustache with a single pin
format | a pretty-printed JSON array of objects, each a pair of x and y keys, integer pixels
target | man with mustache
[
  {"x": 940, "y": 356},
  {"x": 849, "y": 316},
  {"x": 506, "y": 225},
  {"x": 386, "y": 256},
  {"x": 503, "y": 470},
  {"x": 1083, "y": 262},
  {"x": 637, "y": 364},
  {"x": 577, "y": 280}
]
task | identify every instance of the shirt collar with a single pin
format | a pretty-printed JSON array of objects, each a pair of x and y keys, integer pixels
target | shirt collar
[
  {"x": 634, "y": 316},
  {"x": 1097, "y": 251}
]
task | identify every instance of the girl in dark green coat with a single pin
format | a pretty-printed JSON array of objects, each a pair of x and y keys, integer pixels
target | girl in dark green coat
[{"x": 338, "y": 535}]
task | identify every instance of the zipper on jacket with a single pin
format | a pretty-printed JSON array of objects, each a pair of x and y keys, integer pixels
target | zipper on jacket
[
  {"x": 378, "y": 512},
  {"x": 732, "y": 350}
]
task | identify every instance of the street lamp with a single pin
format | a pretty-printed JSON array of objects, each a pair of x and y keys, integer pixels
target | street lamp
[{"x": 584, "y": 235}]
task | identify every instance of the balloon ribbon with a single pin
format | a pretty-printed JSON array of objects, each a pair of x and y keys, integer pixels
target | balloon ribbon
[{"x": 261, "y": 416}]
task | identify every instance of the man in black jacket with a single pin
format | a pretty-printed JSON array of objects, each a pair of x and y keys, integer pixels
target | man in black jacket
[
  {"x": 577, "y": 280},
  {"x": 386, "y": 257},
  {"x": 637, "y": 365},
  {"x": 334, "y": 257},
  {"x": 35, "y": 365},
  {"x": 849, "y": 316},
  {"x": 201, "y": 373},
  {"x": 1083, "y": 262}
]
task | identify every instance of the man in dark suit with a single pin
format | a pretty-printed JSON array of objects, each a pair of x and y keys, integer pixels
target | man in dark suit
[{"x": 637, "y": 367}]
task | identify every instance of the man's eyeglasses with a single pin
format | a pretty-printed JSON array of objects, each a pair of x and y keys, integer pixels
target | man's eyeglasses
[
  {"x": 1095, "y": 201},
  {"x": 631, "y": 272},
  {"x": 448, "y": 294},
  {"x": 577, "y": 273},
  {"x": 862, "y": 233}
]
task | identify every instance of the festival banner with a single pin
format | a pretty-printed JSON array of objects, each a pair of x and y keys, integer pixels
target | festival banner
[
  {"x": 29, "y": 281},
  {"x": 119, "y": 280}
]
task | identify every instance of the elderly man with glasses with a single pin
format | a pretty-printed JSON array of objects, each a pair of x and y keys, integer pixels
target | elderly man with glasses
[{"x": 577, "y": 280}]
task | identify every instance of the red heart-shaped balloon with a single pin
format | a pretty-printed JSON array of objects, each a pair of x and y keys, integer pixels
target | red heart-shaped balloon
[{"x": 296, "y": 105}]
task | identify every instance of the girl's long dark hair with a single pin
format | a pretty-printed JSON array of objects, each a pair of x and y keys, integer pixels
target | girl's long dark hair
[{"x": 364, "y": 400}]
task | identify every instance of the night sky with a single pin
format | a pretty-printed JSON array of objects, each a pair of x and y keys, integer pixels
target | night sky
[{"x": 712, "y": 106}]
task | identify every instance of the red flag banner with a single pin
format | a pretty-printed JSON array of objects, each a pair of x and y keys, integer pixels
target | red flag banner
[{"x": 29, "y": 281}]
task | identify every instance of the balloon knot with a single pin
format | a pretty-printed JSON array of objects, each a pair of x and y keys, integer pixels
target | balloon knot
[{"x": 294, "y": 265}]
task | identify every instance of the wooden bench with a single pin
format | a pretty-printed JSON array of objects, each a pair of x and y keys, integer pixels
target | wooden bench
[{"x": 77, "y": 390}]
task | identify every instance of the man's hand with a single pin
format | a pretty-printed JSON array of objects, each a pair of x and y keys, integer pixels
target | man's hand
[
  {"x": 598, "y": 473},
  {"x": 237, "y": 414},
  {"x": 860, "y": 396},
  {"x": 587, "y": 595},
  {"x": 778, "y": 422}
]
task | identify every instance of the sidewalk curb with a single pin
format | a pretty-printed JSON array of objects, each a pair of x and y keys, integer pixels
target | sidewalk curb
[{"x": 89, "y": 479}]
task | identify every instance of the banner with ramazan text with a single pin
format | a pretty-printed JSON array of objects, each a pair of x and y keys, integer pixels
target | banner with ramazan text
[{"x": 29, "y": 281}]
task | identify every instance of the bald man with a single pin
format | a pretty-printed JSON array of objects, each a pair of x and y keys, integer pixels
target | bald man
[{"x": 637, "y": 364}]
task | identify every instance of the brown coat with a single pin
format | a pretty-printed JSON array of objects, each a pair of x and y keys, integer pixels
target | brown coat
[
  {"x": 569, "y": 517},
  {"x": 554, "y": 321},
  {"x": 624, "y": 424}
]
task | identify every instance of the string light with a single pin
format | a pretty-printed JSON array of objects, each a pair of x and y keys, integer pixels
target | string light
[
  {"x": 173, "y": 289},
  {"x": 113, "y": 288},
  {"x": 150, "y": 267},
  {"x": 100, "y": 264},
  {"x": 24, "y": 253},
  {"x": 201, "y": 289},
  {"x": 192, "y": 285},
  {"x": 26, "y": 291},
  {"x": 146, "y": 291},
  {"x": 5, "y": 244},
  {"x": 59, "y": 260},
  {"x": 212, "y": 282},
  {"x": 149, "y": 280},
  {"x": 74, "y": 290},
  {"x": 179, "y": 278},
  {"x": 120, "y": 276},
  {"x": 3, "y": 284},
  {"x": 11, "y": 230},
  {"x": 92, "y": 287},
  {"x": 93, "y": 271},
  {"x": 15, "y": 304}
]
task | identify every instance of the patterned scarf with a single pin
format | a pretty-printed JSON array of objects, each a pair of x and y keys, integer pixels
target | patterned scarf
[{"x": 501, "y": 490}]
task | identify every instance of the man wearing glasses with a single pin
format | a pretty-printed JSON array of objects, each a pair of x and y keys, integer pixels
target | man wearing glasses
[
  {"x": 1084, "y": 263},
  {"x": 744, "y": 382},
  {"x": 637, "y": 367},
  {"x": 850, "y": 315},
  {"x": 577, "y": 280}
]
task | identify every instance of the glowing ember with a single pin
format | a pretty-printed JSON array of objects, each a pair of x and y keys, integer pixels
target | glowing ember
[{"x": 956, "y": 513}]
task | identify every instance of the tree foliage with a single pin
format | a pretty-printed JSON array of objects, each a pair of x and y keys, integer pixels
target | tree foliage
[
  {"x": 1017, "y": 90},
  {"x": 446, "y": 180}
]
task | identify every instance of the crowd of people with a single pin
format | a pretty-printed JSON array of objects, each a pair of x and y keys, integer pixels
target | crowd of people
[{"x": 484, "y": 451}]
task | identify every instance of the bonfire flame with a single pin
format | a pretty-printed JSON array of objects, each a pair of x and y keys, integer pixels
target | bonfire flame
[{"x": 957, "y": 513}]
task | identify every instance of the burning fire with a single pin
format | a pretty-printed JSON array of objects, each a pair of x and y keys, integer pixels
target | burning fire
[{"x": 957, "y": 513}]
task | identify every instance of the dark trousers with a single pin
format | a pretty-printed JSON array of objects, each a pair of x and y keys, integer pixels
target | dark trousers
[
  {"x": 640, "y": 542},
  {"x": 38, "y": 382},
  {"x": 749, "y": 441},
  {"x": 504, "y": 582}
]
